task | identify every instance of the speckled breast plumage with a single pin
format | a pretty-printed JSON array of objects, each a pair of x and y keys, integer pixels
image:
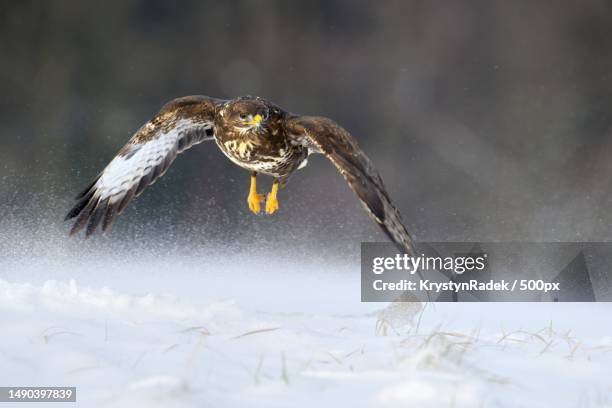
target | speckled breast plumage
[{"x": 262, "y": 151}]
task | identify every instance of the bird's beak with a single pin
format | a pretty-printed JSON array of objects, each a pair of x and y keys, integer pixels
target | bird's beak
[{"x": 256, "y": 120}]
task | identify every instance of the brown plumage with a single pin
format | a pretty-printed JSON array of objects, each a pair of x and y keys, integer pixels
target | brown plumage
[{"x": 253, "y": 133}]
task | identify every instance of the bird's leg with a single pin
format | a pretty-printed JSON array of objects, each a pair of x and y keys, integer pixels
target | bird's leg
[
  {"x": 271, "y": 201},
  {"x": 254, "y": 199}
]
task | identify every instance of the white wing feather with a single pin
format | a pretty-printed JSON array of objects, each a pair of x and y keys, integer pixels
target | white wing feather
[
  {"x": 126, "y": 171},
  {"x": 138, "y": 164}
]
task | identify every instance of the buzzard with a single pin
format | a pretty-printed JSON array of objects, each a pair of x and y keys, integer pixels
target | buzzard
[{"x": 252, "y": 132}]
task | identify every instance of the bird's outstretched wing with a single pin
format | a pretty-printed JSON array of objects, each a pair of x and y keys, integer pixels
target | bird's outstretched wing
[
  {"x": 180, "y": 124},
  {"x": 322, "y": 135}
]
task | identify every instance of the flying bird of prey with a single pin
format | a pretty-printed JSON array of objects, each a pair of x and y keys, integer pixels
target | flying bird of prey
[{"x": 255, "y": 134}]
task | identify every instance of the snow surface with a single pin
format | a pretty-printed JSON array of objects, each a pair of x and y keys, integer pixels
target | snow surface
[{"x": 134, "y": 325}]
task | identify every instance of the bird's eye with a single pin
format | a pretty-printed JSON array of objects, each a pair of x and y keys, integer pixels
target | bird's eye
[{"x": 243, "y": 116}]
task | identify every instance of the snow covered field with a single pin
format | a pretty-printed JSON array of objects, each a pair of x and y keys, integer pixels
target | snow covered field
[{"x": 137, "y": 326}]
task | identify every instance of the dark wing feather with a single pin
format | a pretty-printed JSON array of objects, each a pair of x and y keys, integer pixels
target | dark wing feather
[
  {"x": 322, "y": 135},
  {"x": 179, "y": 125}
]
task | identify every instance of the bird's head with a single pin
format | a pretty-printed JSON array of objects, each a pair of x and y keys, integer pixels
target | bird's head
[{"x": 248, "y": 114}]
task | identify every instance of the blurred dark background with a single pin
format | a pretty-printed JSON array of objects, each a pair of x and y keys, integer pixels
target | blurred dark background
[{"x": 488, "y": 120}]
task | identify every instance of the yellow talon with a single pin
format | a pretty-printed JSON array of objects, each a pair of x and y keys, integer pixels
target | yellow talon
[
  {"x": 271, "y": 201},
  {"x": 254, "y": 199}
]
